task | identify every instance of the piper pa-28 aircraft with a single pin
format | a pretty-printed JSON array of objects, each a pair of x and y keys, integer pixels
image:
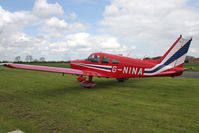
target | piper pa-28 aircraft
[{"x": 122, "y": 68}]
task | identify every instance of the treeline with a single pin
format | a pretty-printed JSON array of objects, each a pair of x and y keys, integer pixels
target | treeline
[
  {"x": 30, "y": 59},
  {"x": 187, "y": 60},
  {"x": 5, "y": 61}
]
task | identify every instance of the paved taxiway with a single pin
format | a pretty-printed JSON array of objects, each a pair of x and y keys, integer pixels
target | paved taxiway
[{"x": 189, "y": 74}]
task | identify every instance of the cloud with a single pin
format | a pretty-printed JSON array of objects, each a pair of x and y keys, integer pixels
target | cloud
[
  {"x": 72, "y": 15},
  {"x": 194, "y": 50},
  {"x": 80, "y": 45},
  {"x": 152, "y": 23},
  {"x": 110, "y": 43},
  {"x": 15, "y": 21},
  {"x": 51, "y": 29},
  {"x": 78, "y": 40},
  {"x": 54, "y": 24},
  {"x": 44, "y": 10},
  {"x": 96, "y": 42},
  {"x": 11, "y": 28},
  {"x": 144, "y": 27},
  {"x": 59, "y": 47}
]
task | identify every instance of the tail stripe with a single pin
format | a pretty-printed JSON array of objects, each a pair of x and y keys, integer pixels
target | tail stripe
[
  {"x": 182, "y": 51},
  {"x": 177, "y": 45}
]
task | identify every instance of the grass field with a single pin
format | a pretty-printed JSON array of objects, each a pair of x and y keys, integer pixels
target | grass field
[
  {"x": 42, "y": 102},
  {"x": 192, "y": 65}
]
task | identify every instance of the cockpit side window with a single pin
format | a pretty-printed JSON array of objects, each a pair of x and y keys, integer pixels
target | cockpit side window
[
  {"x": 94, "y": 58},
  {"x": 115, "y": 61},
  {"x": 105, "y": 60}
]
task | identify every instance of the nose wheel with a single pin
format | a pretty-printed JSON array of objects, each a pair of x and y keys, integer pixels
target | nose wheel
[{"x": 88, "y": 83}]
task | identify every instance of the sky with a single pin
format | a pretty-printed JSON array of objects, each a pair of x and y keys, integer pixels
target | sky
[{"x": 73, "y": 29}]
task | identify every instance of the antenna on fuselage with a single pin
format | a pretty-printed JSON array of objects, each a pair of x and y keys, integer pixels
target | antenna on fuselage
[{"x": 145, "y": 56}]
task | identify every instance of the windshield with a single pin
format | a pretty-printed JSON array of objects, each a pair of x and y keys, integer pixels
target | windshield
[{"x": 94, "y": 58}]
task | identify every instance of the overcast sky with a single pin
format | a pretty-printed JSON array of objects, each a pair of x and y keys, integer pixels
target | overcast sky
[{"x": 73, "y": 29}]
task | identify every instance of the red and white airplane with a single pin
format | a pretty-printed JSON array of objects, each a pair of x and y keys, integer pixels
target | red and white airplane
[{"x": 122, "y": 68}]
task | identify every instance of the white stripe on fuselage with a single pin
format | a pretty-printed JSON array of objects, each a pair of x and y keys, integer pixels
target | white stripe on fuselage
[
  {"x": 171, "y": 65},
  {"x": 94, "y": 66}
]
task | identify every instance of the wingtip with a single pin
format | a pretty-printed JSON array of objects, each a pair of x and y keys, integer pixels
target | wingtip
[{"x": 6, "y": 64}]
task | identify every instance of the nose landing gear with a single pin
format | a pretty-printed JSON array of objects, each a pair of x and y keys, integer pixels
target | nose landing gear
[{"x": 86, "y": 84}]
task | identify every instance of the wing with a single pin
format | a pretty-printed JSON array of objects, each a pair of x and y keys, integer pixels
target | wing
[{"x": 55, "y": 69}]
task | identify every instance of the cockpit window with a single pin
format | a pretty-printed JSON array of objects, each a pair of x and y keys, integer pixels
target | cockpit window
[
  {"x": 115, "y": 61},
  {"x": 105, "y": 60},
  {"x": 94, "y": 58}
]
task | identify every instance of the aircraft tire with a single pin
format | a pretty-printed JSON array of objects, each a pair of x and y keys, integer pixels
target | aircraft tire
[{"x": 120, "y": 79}]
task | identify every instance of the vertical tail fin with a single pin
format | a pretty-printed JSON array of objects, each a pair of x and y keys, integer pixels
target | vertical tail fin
[
  {"x": 174, "y": 57},
  {"x": 176, "y": 54}
]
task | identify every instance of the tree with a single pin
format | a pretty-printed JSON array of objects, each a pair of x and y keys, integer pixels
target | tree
[
  {"x": 188, "y": 58},
  {"x": 35, "y": 60},
  {"x": 42, "y": 59},
  {"x": 29, "y": 58},
  {"x": 17, "y": 59}
]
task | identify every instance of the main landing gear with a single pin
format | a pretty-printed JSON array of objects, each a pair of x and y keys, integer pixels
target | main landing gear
[
  {"x": 84, "y": 83},
  {"x": 88, "y": 83},
  {"x": 121, "y": 79}
]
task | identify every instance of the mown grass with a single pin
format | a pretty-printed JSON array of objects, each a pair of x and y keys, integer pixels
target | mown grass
[
  {"x": 192, "y": 65},
  {"x": 45, "y": 102}
]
